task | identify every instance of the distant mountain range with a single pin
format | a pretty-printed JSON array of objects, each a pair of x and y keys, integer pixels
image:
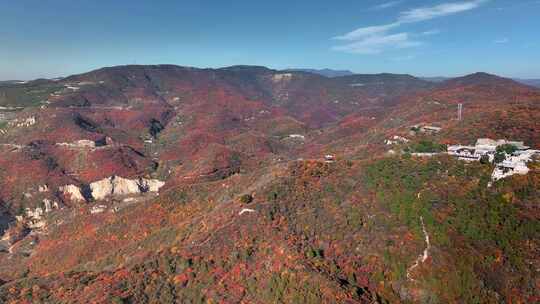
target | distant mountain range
[
  {"x": 530, "y": 82},
  {"x": 11, "y": 82},
  {"x": 435, "y": 79},
  {"x": 325, "y": 72},
  {"x": 340, "y": 73}
]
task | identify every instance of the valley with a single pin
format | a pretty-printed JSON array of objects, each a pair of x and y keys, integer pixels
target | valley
[{"x": 164, "y": 184}]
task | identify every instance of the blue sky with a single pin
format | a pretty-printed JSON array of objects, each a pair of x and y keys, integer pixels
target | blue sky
[{"x": 424, "y": 38}]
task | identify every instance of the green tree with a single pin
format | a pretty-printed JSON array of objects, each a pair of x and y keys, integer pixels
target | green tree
[
  {"x": 246, "y": 199},
  {"x": 499, "y": 157},
  {"x": 484, "y": 159},
  {"x": 506, "y": 148}
]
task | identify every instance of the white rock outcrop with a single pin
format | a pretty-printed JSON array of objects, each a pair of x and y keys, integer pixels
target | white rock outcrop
[
  {"x": 23, "y": 122},
  {"x": 297, "y": 136},
  {"x": 82, "y": 143},
  {"x": 34, "y": 214},
  {"x": 152, "y": 185},
  {"x": 282, "y": 77},
  {"x": 35, "y": 218},
  {"x": 118, "y": 186},
  {"x": 102, "y": 188},
  {"x": 97, "y": 209},
  {"x": 48, "y": 205},
  {"x": 123, "y": 186},
  {"x": 73, "y": 192}
]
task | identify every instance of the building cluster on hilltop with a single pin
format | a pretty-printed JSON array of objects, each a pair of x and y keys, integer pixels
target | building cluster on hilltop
[{"x": 510, "y": 162}]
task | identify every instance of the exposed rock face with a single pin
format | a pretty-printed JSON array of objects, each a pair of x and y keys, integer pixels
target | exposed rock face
[
  {"x": 101, "y": 189},
  {"x": 151, "y": 185},
  {"x": 48, "y": 205},
  {"x": 117, "y": 186},
  {"x": 73, "y": 192},
  {"x": 282, "y": 77},
  {"x": 123, "y": 186},
  {"x": 34, "y": 218},
  {"x": 98, "y": 209},
  {"x": 83, "y": 143},
  {"x": 297, "y": 136},
  {"x": 23, "y": 122}
]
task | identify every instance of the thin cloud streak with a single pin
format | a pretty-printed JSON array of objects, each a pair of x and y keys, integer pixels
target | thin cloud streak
[
  {"x": 376, "y": 44},
  {"x": 370, "y": 39},
  {"x": 386, "y": 5},
  {"x": 431, "y": 32},
  {"x": 441, "y": 10},
  {"x": 501, "y": 40},
  {"x": 367, "y": 31}
]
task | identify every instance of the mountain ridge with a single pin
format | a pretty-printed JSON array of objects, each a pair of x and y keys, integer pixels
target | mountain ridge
[
  {"x": 323, "y": 72},
  {"x": 279, "y": 186}
]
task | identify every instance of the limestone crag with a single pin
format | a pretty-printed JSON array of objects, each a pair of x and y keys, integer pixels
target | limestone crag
[
  {"x": 102, "y": 188},
  {"x": 72, "y": 192},
  {"x": 123, "y": 186},
  {"x": 82, "y": 143},
  {"x": 35, "y": 217},
  {"x": 115, "y": 186}
]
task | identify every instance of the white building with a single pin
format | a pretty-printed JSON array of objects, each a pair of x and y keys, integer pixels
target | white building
[
  {"x": 516, "y": 163},
  {"x": 464, "y": 152},
  {"x": 483, "y": 146}
]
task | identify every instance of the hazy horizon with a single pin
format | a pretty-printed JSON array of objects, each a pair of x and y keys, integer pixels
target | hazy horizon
[{"x": 279, "y": 69}]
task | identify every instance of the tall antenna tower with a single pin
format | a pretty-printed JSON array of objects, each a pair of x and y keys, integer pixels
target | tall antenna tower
[{"x": 459, "y": 111}]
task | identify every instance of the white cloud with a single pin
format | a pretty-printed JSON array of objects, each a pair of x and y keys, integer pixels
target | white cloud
[
  {"x": 386, "y": 5},
  {"x": 374, "y": 39},
  {"x": 501, "y": 40},
  {"x": 431, "y": 32},
  {"x": 378, "y": 43},
  {"x": 445, "y": 9},
  {"x": 367, "y": 31}
]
